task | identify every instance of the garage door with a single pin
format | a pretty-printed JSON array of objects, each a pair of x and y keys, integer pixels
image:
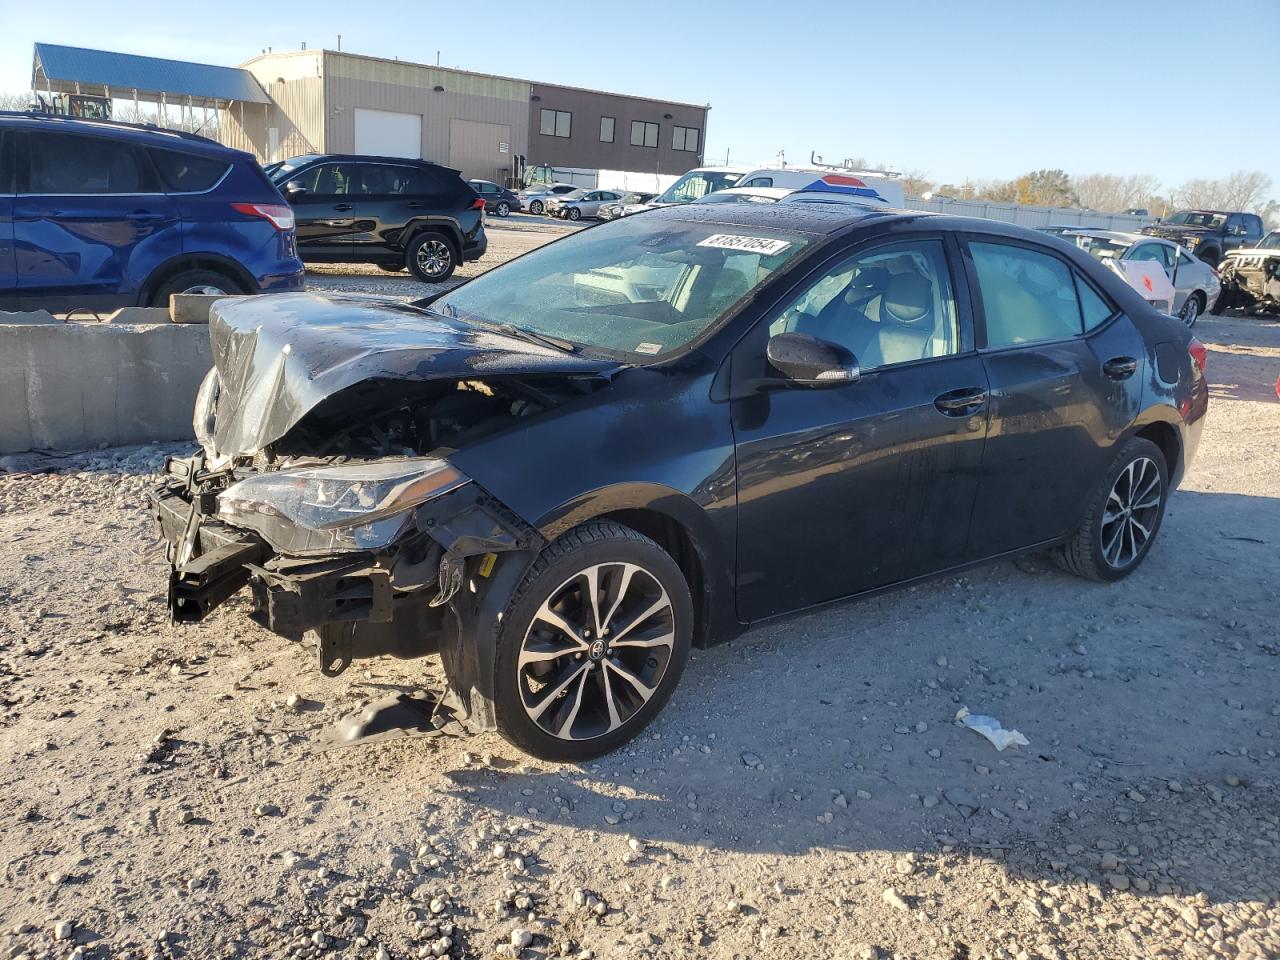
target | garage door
[
  {"x": 480, "y": 150},
  {"x": 382, "y": 133}
]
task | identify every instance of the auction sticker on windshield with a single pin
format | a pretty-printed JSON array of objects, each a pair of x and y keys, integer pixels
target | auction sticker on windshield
[{"x": 764, "y": 246}]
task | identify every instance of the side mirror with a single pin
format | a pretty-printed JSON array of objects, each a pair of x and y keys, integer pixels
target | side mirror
[
  {"x": 811, "y": 361},
  {"x": 294, "y": 188}
]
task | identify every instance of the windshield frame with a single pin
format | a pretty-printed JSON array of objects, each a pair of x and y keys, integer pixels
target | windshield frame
[
  {"x": 810, "y": 245},
  {"x": 1216, "y": 220}
]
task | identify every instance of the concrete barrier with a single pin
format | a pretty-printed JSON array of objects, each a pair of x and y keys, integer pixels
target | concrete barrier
[{"x": 75, "y": 386}]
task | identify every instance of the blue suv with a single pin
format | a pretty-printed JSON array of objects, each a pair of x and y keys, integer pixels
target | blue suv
[{"x": 96, "y": 215}]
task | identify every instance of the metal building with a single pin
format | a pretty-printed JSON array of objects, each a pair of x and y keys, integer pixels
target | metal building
[{"x": 280, "y": 105}]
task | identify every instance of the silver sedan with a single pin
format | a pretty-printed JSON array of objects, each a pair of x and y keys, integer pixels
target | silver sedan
[{"x": 1195, "y": 283}]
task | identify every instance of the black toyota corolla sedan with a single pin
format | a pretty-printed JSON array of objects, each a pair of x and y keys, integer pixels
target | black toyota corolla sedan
[{"x": 647, "y": 436}]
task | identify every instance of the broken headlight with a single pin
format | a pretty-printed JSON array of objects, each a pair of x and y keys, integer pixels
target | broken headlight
[{"x": 326, "y": 509}]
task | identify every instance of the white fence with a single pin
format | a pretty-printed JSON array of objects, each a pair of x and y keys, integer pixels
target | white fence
[{"x": 1029, "y": 216}]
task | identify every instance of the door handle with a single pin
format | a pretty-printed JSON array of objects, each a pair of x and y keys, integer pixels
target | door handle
[
  {"x": 962, "y": 402},
  {"x": 342, "y": 206},
  {"x": 1120, "y": 368},
  {"x": 416, "y": 204},
  {"x": 144, "y": 216}
]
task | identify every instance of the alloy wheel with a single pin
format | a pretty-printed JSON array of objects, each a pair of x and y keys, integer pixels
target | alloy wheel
[
  {"x": 596, "y": 651},
  {"x": 434, "y": 257},
  {"x": 205, "y": 289},
  {"x": 504, "y": 209},
  {"x": 1190, "y": 311},
  {"x": 535, "y": 207},
  {"x": 1131, "y": 512}
]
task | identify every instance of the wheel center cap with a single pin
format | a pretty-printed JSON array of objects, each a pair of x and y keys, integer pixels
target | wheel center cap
[{"x": 597, "y": 650}]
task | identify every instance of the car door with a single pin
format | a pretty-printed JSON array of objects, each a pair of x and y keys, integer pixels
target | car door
[
  {"x": 8, "y": 280},
  {"x": 90, "y": 222},
  {"x": 324, "y": 208},
  {"x": 1164, "y": 254},
  {"x": 393, "y": 197},
  {"x": 1065, "y": 382},
  {"x": 852, "y": 487}
]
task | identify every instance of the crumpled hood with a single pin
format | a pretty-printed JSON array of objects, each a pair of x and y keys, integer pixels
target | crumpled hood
[
  {"x": 1176, "y": 230},
  {"x": 280, "y": 355}
]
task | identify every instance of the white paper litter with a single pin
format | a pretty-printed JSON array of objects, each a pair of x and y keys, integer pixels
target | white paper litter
[{"x": 990, "y": 728}]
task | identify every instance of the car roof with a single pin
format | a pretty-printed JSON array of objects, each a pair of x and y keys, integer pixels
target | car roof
[
  {"x": 144, "y": 134},
  {"x": 1114, "y": 235},
  {"x": 368, "y": 158}
]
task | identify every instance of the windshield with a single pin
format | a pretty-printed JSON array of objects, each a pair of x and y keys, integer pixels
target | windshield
[
  {"x": 637, "y": 286},
  {"x": 280, "y": 170},
  {"x": 737, "y": 198},
  {"x": 1271, "y": 241},
  {"x": 1197, "y": 218},
  {"x": 696, "y": 184}
]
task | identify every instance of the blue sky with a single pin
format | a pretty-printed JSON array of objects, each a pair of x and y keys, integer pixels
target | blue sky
[{"x": 979, "y": 89}]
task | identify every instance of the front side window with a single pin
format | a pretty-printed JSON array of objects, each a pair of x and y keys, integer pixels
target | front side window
[
  {"x": 890, "y": 305},
  {"x": 187, "y": 173},
  {"x": 644, "y": 134},
  {"x": 64, "y": 164},
  {"x": 1027, "y": 296},
  {"x": 606, "y": 129},
  {"x": 638, "y": 287},
  {"x": 684, "y": 138},
  {"x": 555, "y": 123},
  {"x": 758, "y": 182},
  {"x": 328, "y": 179}
]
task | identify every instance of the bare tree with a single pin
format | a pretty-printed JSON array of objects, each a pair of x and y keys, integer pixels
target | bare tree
[
  {"x": 1112, "y": 193},
  {"x": 15, "y": 101},
  {"x": 1243, "y": 190},
  {"x": 916, "y": 183}
]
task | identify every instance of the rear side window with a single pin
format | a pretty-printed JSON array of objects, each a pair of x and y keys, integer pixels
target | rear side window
[
  {"x": 7, "y": 171},
  {"x": 186, "y": 172},
  {"x": 66, "y": 164},
  {"x": 1026, "y": 296},
  {"x": 1094, "y": 308}
]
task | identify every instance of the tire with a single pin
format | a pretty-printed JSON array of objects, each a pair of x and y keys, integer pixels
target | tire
[
  {"x": 1210, "y": 256},
  {"x": 1089, "y": 553},
  {"x": 574, "y": 213},
  {"x": 391, "y": 267},
  {"x": 1191, "y": 309},
  {"x": 597, "y": 710},
  {"x": 431, "y": 257},
  {"x": 209, "y": 282},
  {"x": 535, "y": 206},
  {"x": 503, "y": 209}
]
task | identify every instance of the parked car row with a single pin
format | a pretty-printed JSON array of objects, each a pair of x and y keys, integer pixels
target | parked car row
[{"x": 96, "y": 215}]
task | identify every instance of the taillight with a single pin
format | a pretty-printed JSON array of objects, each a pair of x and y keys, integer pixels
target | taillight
[
  {"x": 1199, "y": 354},
  {"x": 279, "y": 215},
  {"x": 478, "y": 203}
]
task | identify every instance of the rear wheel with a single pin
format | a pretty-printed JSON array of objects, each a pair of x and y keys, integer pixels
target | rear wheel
[
  {"x": 1192, "y": 309},
  {"x": 431, "y": 257},
  {"x": 1210, "y": 256},
  {"x": 1123, "y": 516},
  {"x": 592, "y": 644},
  {"x": 575, "y": 213},
  {"x": 206, "y": 282},
  {"x": 503, "y": 209}
]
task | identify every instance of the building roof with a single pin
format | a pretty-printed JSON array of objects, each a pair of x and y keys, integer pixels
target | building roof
[{"x": 124, "y": 73}]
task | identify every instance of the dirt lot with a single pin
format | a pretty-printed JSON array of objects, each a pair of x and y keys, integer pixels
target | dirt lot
[{"x": 806, "y": 793}]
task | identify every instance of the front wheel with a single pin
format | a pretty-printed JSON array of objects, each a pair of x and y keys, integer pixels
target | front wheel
[
  {"x": 592, "y": 643},
  {"x": 430, "y": 258},
  {"x": 535, "y": 207},
  {"x": 575, "y": 213},
  {"x": 503, "y": 209},
  {"x": 1123, "y": 515}
]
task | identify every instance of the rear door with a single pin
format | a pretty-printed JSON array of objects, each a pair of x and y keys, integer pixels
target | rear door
[
  {"x": 91, "y": 222},
  {"x": 1066, "y": 374},
  {"x": 853, "y": 487},
  {"x": 324, "y": 210},
  {"x": 8, "y": 290},
  {"x": 390, "y": 199}
]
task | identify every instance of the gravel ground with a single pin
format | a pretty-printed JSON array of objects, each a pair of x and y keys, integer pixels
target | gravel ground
[
  {"x": 508, "y": 238},
  {"x": 807, "y": 792}
]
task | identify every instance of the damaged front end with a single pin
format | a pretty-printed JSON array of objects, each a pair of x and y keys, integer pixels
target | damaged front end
[
  {"x": 341, "y": 511},
  {"x": 1251, "y": 281}
]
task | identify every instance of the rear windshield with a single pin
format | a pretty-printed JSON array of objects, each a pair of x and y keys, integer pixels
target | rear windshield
[
  {"x": 186, "y": 172},
  {"x": 640, "y": 287}
]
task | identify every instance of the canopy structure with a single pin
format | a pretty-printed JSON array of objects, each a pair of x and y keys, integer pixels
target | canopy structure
[{"x": 123, "y": 76}]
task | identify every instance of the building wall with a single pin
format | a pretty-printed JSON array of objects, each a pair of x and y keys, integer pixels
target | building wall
[
  {"x": 583, "y": 147},
  {"x": 489, "y": 106}
]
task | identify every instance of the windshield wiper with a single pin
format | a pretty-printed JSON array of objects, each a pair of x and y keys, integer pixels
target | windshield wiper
[{"x": 532, "y": 336}]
